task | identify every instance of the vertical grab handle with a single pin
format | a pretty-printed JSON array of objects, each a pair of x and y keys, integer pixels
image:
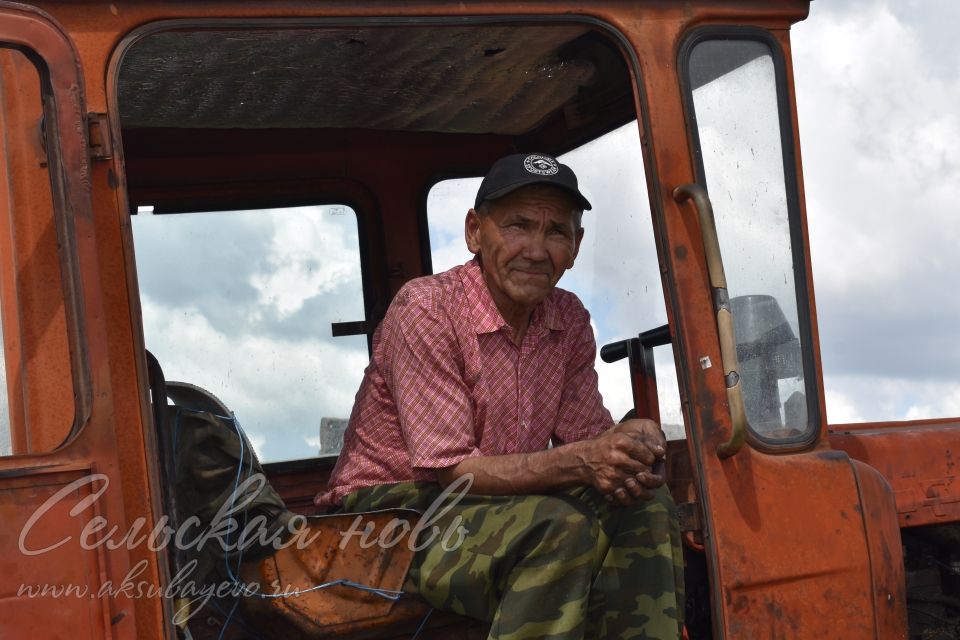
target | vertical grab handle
[{"x": 721, "y": 305}]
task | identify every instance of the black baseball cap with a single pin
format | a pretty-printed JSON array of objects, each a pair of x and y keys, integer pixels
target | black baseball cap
[{"x": 521, "y": 169}]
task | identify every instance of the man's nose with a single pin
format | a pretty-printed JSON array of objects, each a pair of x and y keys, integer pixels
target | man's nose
[{"x": 536, "y": 248}]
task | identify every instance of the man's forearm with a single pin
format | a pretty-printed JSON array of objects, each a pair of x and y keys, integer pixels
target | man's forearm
[
  {"x": 523, "y": 473},
  {"x": 621, "y": 457}
]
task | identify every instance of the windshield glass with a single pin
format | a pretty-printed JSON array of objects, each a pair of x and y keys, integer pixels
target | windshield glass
[{"x": 734, "y": 87}]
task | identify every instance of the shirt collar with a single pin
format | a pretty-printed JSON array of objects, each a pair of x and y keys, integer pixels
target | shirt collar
[{"x": 483, "y": 310}]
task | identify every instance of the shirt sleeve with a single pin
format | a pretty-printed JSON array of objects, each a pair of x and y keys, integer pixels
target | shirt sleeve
[
  {"x": 423, "y": 369},
  {"x": 582, "y": 414}
]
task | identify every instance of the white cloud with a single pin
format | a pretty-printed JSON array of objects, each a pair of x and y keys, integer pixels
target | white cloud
[
  {"x": 840, "y": 409},
  {"x": 308, "y": 255},
  {"x": 879, "y": 125},
  {"x": 278, "y": 390},
  {"x": 881, "y": 157},
  {"x": 257, "y": 441},
  {"x": 280, "y": 375}
]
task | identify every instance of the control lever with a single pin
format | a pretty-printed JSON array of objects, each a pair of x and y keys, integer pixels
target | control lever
[
  {"x": 643, "y": 373},
  {"x": 615, "y": 351}
]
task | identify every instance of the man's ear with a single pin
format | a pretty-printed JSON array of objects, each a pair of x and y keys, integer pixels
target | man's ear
[
  {"x": 577, "y": 239},
  {"x": 471, "y": 231}
]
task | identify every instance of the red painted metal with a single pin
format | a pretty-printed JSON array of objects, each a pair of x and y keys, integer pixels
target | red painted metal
[
  {"x": 26, "y": 481},
  {"x": 799, "y": 545},
  {"x": 886, "y": 553},
  {"x": 918, "y": 459}
]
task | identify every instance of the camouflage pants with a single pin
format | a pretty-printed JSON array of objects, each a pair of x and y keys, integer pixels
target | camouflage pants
[{"x": 562, "y": 566}]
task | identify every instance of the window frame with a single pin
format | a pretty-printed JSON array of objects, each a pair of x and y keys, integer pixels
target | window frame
[
  {"x": 68, "y": 168},
  {"x": 798, "y": 237}
]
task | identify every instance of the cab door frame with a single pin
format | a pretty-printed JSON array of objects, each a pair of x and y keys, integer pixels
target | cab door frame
[
  {"x": 54, "y": 504},
  {"x": 800, "y": 542}
]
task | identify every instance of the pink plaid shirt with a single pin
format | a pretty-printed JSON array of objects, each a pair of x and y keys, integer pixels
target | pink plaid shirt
[{"x": 446, "y": 382}]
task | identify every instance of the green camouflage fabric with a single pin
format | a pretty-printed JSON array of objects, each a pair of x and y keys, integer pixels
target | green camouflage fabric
[{"x": 562, "y": 566}]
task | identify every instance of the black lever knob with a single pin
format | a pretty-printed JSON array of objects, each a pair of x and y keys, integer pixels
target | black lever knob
[{"x": 615, "y": 350}]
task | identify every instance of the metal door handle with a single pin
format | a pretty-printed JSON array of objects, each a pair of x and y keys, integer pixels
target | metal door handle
[{"x": 721, "y": 305}]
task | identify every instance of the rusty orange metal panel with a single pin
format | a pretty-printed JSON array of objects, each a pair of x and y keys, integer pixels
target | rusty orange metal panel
[
  {"x": 792, "y": 559},
  {"x": 886, "y": 552},
  {"x": 41, "y": 380},
  {"x": 92, "y": 445},
  {"x": 786, "y": 543},
  {"x": 918, "y": 459},
  {"x": 50, "y": 581}
]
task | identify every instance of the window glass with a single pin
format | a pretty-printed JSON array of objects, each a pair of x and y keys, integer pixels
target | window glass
[
  {"x": 6, "y": 444},
  {"x": 616, "y": 274},
  {"x": 241, "y": 303},
  {"x": 735, "y": 101},
  {"x": 37, "y": 406}
]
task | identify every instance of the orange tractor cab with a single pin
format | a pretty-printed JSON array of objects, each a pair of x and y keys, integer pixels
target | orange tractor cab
[{"x": 240, "y": 188}]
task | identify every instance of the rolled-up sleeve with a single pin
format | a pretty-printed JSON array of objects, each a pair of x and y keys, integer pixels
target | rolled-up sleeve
[
  {"x": 423, "y": 370},
  {"x": 581, "y": 414}
]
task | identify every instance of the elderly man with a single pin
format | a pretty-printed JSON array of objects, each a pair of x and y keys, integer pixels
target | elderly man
[{"x": 475, "y": 372}]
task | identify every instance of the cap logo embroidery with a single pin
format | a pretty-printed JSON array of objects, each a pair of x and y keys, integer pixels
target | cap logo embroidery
[{"x": 540, "y": 165}]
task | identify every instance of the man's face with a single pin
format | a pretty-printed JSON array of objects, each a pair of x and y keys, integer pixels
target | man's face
[{"x": 526, "y": 241}]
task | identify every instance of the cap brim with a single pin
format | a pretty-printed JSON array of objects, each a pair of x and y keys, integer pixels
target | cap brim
[{"x": 502, "y": 191}]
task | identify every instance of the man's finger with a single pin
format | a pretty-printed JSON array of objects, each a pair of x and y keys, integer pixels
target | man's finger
[
  {"x": 647, "y": 431},
  {"x": 622, "y": 497},
  {"x": 655, "y": 441},
  {"x": 636, "y": 489},
  {"x": 628, "y": 464},
  {"x": 641, "y": 452},
  {"x": 649, "y": 480}
]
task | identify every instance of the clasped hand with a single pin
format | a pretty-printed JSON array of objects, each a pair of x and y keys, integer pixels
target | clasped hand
[{"x": 625, "y": 462}]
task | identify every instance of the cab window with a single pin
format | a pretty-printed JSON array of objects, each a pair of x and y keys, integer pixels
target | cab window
[
  {"x": 744, "y": 147},
  {"x": 244, "y": 304}
]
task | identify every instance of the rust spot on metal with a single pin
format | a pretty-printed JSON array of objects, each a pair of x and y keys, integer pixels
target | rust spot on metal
[
  {"x": 774, "y": 610},
  {"x": 831, "y": 455}
]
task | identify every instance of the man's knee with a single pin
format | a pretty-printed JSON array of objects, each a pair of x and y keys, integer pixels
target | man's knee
[
  {"x": 650, "y": 524},
  {"x": 560, "y": 526}
]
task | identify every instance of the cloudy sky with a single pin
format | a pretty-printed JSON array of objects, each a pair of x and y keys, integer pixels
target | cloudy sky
[{"x": 877, "y": 85}]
